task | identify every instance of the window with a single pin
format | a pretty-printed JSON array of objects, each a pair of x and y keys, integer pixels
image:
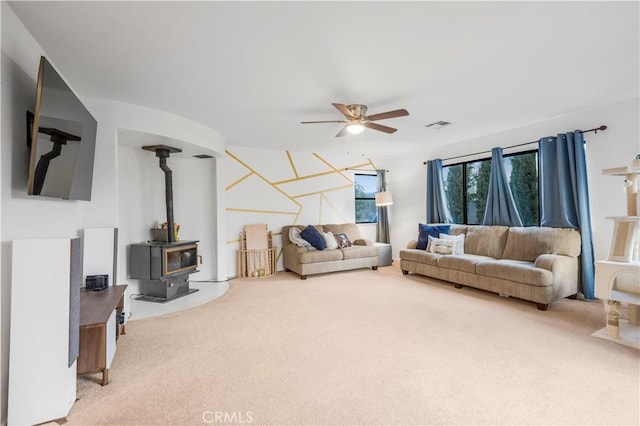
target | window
[
  {"x": 466, "y": 187},
  {"x": 365, "y": 198},
  {"x": 478, "y": 174},
  {"x": 453, "y": 188},
  {"x": 522, "y": 171}
]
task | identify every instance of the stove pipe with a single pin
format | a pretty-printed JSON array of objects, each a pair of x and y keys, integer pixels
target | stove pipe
[{"x": 163, "y": 154}]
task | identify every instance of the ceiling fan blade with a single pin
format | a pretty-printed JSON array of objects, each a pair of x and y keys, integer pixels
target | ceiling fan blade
[
  {"x": 326, "y": 121},
  {"x": 388, "y": 114},
  {"x": 342, "y": 132},
  {"x": 380, "y": 127},
  {"x": 344, "y": 110}
]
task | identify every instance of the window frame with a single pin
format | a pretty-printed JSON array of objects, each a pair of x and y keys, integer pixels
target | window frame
[
  {"x": 356, "y": 198},
  {"x": 465, "y": 182}
]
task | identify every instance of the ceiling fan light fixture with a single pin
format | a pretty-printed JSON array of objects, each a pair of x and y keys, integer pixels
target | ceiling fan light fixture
[{"x": 355, "y": 128}]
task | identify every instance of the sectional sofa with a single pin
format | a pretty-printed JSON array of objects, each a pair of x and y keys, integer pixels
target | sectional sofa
[{"x": 537, "y": 264}]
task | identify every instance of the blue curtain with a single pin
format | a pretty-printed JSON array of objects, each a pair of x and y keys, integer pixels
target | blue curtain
[
  {"x": 501, "y": 207},
  {"x": 564, "y": 195},
  {"x": 437, "y": 209},
  {"x": 382, "y": 225}
]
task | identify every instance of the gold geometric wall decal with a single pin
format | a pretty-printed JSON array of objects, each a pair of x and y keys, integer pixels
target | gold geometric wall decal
[
  {"x": 231, "y": 209},
  {"x": 293, "y": 166},
  {"x": 285, "y": 188},
  {"x": 340, "y": 172},
  {"x": 312, "y": 176},
  {"x": 238, "y": 181},
  {"x": 255, "y": 194},
  {"x": 308, "y": 194}
]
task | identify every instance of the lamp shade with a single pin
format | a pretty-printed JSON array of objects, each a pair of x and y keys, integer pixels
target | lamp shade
[{"x": 383, "y": 199}]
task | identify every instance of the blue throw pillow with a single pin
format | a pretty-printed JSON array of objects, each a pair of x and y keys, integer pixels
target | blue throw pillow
[
  {"x": 434, "y": 230},
  {"x": 314, "y": 237}
]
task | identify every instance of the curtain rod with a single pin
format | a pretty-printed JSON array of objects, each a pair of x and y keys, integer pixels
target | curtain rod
[{"x": 595, "y": 130}]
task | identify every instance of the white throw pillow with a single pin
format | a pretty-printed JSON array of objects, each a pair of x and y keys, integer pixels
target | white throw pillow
[
  {"x": 330, "y": 240},
  {"x": 295, "y": 238},
  {"x": 440, "y": 246},
  {"x": 458, "y": 242}
]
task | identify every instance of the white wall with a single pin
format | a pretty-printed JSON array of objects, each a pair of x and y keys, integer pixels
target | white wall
[
  {"x": 24, "y": 217},
  {"x": 616, "y": 146},
  {"x": 283, "y": 188}
]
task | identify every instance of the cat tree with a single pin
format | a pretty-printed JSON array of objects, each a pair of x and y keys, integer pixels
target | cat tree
[{"x": 618, "y": 277}]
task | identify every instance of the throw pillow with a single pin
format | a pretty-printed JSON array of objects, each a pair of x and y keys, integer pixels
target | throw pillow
[
  {"x": 312, "y": 235},
  {"x": 440, "y": 246},
  {"x": 424, "y": 231},
  {"x": 458, "y": 242},
  {"x": 330, "y": 240},
  {"x": 342, "y": 240},
  {"x": 295, "y": 238}
]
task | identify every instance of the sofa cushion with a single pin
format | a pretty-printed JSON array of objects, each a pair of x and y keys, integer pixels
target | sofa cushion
[
  {"x": 457, "y": 229},
  {"x": 330, "y": 240},
  {"x": 357, "y": 252},
  {"x": 433, "y": 230},
  {"x": 486, "y": 240},
  {"x": 342, "y": 240},
  {"x": 351, "y": 230},
  {"x": 440, "y": 245},
  {"x": 458, "y": 242},
  {"x": 314, "y": 256},
  {"x": 515, "y": 270},
  {"x": 464, "y": 262},
  {"x": 314, "y": 237},
  {"x": 420, "y": 256},
  {"x": 295, "y": 238},
  {"x": 529, "y": 243}
]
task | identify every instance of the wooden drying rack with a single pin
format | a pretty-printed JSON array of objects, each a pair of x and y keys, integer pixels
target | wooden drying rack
[{"x": 256, "y": 262}]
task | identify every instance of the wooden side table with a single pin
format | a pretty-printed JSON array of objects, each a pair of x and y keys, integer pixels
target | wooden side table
[
  {"x": 384, "y": 254},
  {"x": 99, "y": 329}
]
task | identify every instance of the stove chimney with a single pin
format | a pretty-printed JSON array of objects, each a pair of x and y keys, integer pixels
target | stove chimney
[{"x": 163, "y": 152}]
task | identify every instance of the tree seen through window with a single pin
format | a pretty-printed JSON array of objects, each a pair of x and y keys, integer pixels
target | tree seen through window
[
  {"x": 365, "y": 198},
  {"x": 467, "y": 185}
]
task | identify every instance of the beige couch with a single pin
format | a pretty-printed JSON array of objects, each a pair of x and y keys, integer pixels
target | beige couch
[
  {"x": 538, "y": 264},
  {"x": 308, "y": 261}
]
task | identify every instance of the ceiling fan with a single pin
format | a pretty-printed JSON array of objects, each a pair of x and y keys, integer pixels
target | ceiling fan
[{"x": 357, "y": 119}]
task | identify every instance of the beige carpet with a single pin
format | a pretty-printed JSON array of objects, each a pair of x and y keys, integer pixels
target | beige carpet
[{"x": 366, "y": 347}]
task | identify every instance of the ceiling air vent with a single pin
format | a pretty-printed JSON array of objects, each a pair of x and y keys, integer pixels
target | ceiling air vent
[
  {"x": 203, "y": 156},
  {"x": 438, "y": 124}
]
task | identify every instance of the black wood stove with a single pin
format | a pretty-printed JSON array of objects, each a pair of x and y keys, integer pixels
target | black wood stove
[{"x": 164, "y": 266}]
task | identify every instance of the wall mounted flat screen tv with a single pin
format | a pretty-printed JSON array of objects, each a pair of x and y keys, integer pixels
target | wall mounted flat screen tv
[{"x": 62, "y": 140}]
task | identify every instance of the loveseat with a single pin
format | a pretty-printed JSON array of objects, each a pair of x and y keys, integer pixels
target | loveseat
[
  {"x": 306, "y": 261},
  {"x": 537, "y": 264}
]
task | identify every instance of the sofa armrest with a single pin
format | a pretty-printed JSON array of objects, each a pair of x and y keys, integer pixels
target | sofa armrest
[
  {"x": 564, "y": 270},
  {"x": 290, "y": 256},
  {"x": 412, "y": 244},
  {"x": 552, "y": 261},
  {"x": 362, "y": 242}
]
